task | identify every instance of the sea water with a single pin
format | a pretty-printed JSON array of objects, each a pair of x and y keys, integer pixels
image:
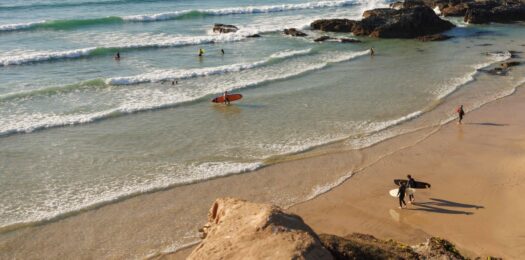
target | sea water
[{"x": 78, "y": 128}]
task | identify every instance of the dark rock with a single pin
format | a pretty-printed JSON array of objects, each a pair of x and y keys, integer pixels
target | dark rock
[
  {"x": 254, "y": 36},
  {"x": 361, "y": 246},
  {"x": 323, "y": 38},
  {"x": 434, "y": 38},
  {"x": 349, "y": 40},
  {"x": 500, "y": 11},
  {"x": 333, "y": 25},
  {"x": 224, "y": 28},
  {"x": 454, "y": 10},
  {"x": 389, "y": 23},
  {"x": 294, "y": 32},
  {"x": 508, "y": 64}
]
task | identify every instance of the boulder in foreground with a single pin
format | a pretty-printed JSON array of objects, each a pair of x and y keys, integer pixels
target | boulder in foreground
[{"x": 238, "y": 229}]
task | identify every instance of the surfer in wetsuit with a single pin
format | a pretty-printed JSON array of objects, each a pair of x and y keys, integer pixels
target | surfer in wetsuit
[
  {"x": 411, "y": 184},
  {"x": 461, "y": 113},
  {"x": 226, "y": 100},
  {"x": 401, "y": 195},
  {"x": 222, "y": 51},
  {"x": 117, "y": 56}
]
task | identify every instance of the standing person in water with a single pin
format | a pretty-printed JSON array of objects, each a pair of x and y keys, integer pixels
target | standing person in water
[
  {"x": 117, "y": 56},
  {"x": 201, "y": 52},
  {"x": 372, "y": 52},
  {"x": 222, "y": 51},
  {"x": 411, "y": 184},
  {"x": 461, "y": 114},
  {"x": 226, "y": 100},
  {"x": 401, "y": 194}
]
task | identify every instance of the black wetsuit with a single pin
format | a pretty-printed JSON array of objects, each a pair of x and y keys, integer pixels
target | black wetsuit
[{"x": 401, "y": 195}]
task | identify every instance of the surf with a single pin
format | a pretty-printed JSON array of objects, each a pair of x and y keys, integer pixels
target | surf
[{"x": 166, "y": 16}]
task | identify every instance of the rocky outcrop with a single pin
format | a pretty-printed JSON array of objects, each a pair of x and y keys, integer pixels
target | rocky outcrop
[
  {"x": 224, "y": 28},
  {"x": 389, "y": 23},
  {"x": 495, "y": 11},
  {"x": 454, "y": 10},
  {"x": 294, "y": 32},
  {"x": 434, "y": 38},
  {"x": 238, "y": 229},
  {"x": 343, "y": 40}
]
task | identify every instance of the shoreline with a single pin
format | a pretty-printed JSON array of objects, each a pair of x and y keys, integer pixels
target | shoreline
[{"x": 341, "y": 163}]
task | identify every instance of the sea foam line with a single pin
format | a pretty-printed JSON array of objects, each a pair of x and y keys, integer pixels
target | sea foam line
[
  {"x": 184, "y": 14},
  {"x": 163, "y": 75},
  {"x": 35, "y": 121}
]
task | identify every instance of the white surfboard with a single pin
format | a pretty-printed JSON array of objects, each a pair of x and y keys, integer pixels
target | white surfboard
[{"x": 409, "y": 191}]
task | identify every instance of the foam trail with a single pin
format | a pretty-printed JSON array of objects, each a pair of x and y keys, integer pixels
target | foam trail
[
  {"x": 455, "y": 83},
  {"x": 321, "y": 189},
  {"x": 26, "y": 123},
  {"x": 163, "y": 75},
  {"x": 165, "y": 42},
  {"x": 238, "y": 10},
  {"x": 184, "y": 14}
]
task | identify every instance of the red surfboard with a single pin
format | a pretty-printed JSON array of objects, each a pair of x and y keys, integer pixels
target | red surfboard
[{"x": 231, "y": 97}]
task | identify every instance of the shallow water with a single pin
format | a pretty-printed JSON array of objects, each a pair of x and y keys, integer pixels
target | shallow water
[{"x": 78, "y": 128}]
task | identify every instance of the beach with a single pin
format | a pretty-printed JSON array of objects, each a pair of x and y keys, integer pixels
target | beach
[{"x": 112, "y": 158}]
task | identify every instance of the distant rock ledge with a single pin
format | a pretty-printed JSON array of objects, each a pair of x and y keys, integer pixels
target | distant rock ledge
[
  {"x": 237, "y": 229},
  {"x": 409, "y": 22}
]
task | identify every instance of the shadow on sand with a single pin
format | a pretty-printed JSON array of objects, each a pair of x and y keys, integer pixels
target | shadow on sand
[
  {"x": 488, "y": 124},
  {"x": 436, "y": 206}
]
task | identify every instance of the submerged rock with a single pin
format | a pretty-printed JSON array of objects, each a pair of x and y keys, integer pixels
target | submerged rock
[
  {"x": 349, "y": 40},
  {"x": 323, "y": 38},
  {"x": 389, "y": 23},
  {"x": 294, "y": 32},
  {"x": 434, "y": 38},
  {"x": 224, "y": 28}
]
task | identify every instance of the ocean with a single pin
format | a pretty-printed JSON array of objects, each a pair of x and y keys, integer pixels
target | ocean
[{"x": 79, "y": 129}]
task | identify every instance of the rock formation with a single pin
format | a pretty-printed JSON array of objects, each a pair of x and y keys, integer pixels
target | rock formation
[
  {"x": 224, "y": 28},
  {"x": 411, "y": 22},
  {"x": 238, "y": 229},
  {"x": 294, "y": 32},
  {"x": 434, "y": 38}
]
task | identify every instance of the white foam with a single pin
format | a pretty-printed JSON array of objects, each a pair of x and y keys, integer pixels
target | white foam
[
  {"x": 38, "y": 56},
  {"x": 162, "y": 75},
  {"x": 239, "y": 10},
  {"x": 437, "y": 11},
  {"x": 18, "y": 26},
  {"x": 451, "y": 85},
  {"x": 66, "y": 200},
  {"x": 321, "y": 189}
]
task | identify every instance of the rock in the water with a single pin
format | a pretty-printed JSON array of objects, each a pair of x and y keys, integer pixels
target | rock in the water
[
  {"x": 389, "y": 23},
  {"x": 294, "y": 32},
  {"x": 349, "y": 40},
  {"x": 454, "y": 10},
  {"x": 508, "y": 64},
  {"x": 323, "y": 38},
  {"x": 224, "y": 28},
  {"x": 238, "y": 229},
  {"x": 254, "y": 36},
  {"x": 434, "y": 38},
  {"x": 500, "y": 11}
]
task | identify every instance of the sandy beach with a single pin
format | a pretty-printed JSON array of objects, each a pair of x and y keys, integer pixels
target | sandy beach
[{"x": 475, "y": 172}]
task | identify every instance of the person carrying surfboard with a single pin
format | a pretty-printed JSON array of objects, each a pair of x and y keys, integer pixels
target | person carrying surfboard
[
  {"x": 411, "y": 184},
  {"x": 401, "y": 195},
  {"x": 226, "y": 99}
]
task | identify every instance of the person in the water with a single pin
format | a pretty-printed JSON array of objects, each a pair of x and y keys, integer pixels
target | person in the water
[
  {"x": 226, "y": 99},
  {"x": 222, "y": 51},
  {"x": 117, "y": 56},
  {"x": 201, "y": 52}
]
